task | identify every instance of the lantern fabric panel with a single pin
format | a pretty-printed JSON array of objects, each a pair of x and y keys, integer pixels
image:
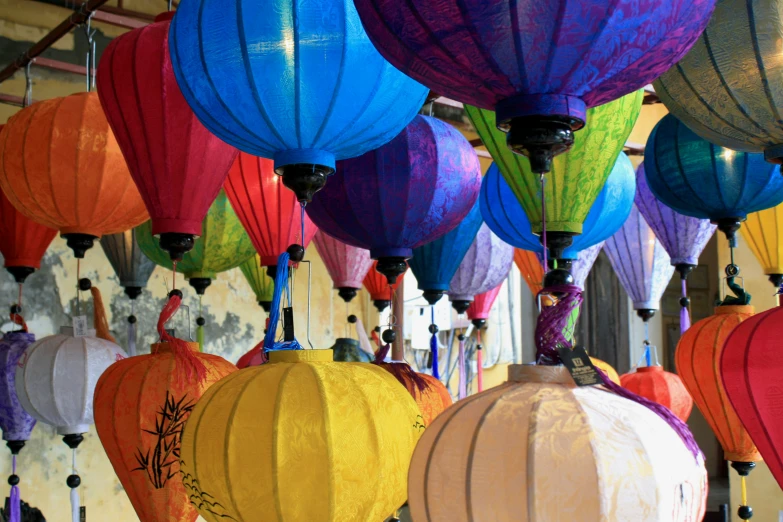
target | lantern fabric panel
[
  {"x": 531, "y": 267},
  {"x": 15, "y": 422},
  {"x": 750, "y": 368},
  {"x": 378, "y": 286},
  {"x": 338, "y": 99},
  {"x": 433, "y": 401},
  {"x": 614, "y": 459},
  {"x": 56, "y": 380},
  {"x": 683, "y": 237},
  {"x": 223, "y": 245},
  {"x": 140, "y": 406},
  {"x": 607, "y": 368},
  {"x": 262, "y": 285},
  {"x": 178, "y": 165},
  {"x": 60, "y": 166},
  {"x": 702, "y": 180},
  {"x": 347, "y": 265},
  {"x": 482, "y": 304},
  {"x": 697, "y": 359},
  {"x": 489, "y": 54},
  {"x": 577, "y": 176},
  {"x": 728, "y": 87},
  {"x": 23, "y": 242},
  {"x": 763, "y": 231},
  {"x": 485, "y": 266},
  {"x": 582, "y": 265},
  {"x": 131, "y": 266},
  {"x": 640, "y": 262},
  {"x": 267, "y": 209},
  {"x": 666, "y": 388},
  {"x": 414, "y": 189},
  {"x": 327, "y": 427}
]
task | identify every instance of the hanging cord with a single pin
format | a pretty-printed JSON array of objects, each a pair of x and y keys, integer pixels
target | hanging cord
[
  {"x": 15, "y": 498},
  {"x": 552, "y": 327},
  {"x": 463, "y": 378},
  {"x": 479, "y": 361},
  {"x": 685, "y": 316},
  {"x": 542, "y": 178},
  {"x": 78, "y": 278},
  {"x": 16, "y": 311},
  {"x": 364, "y": 341},
  {"x": 200, "y": 324},
  {"x": 99, "y": 316},
  {"x": 132, "y": 329},
  {"x": 434, "y": 344},
  {"x": 281, "y": 286},
  {"x": 647, "y": 343},
  {"x": 73, "y": 482}
]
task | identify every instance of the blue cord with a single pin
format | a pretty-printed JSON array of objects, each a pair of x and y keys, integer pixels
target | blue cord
[
  {"x": 281, "y": 284},
  {"x": 434, "y": 348}
]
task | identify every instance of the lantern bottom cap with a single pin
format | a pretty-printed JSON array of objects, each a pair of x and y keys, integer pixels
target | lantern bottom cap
[{"x": 751, "y": 456}]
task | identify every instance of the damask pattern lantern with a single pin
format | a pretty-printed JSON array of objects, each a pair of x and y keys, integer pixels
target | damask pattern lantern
[
  {"x": 763, "y": 231},
  {"x": 294, "y": 85},
  {"x": 658, "y": 385},
  {"x": 263, "y": 286},
  {"x": 347, "y": 265},
  {"x": 60, "y": 166},
  {"x": 490, "y": 54},
  {"x": 574, "y": 188},
  {"x": 337, "y": 433},
  {"x": 160, "y": 136},
  {"x": 141, "y": 405},
  {"x": 411, "y": 191}
]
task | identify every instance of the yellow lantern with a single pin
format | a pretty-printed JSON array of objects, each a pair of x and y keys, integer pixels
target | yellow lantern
[
  {"x": 764, "y": 233},
  {"x": 538, "y": 448},
  {"x": 301, "y": 439}
]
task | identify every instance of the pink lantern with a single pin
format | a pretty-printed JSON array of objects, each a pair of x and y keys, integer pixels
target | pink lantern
[
  {"x": 482, "y": 304},
  {"x": 347, "y": 265}
]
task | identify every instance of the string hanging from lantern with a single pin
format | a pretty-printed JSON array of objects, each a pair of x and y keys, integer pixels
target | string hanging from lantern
[
  {"x": 434, "y": 344},
  {"x": 281, "y": 285}
]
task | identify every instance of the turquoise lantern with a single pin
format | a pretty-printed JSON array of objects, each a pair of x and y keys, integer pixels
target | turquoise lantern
[{"x": 296, "y": 82}]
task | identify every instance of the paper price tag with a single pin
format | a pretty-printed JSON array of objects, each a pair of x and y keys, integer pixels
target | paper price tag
[
  {"x": 579, "y": 365},
  {"x": 80, "y": 326}
]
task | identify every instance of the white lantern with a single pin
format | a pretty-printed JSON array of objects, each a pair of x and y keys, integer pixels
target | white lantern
[
  {"x": 539, "y": 448},
  {"x": 56, "y": 379}
]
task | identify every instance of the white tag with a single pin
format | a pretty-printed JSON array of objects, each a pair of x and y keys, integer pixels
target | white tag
[{"x": 80, "y": 326}]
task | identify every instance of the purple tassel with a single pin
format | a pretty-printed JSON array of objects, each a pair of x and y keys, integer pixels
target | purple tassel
[
  {"x": 16, "y": 500},
  {"x": 552, "y": 322},
  {"x": 463, "y": 384},
  {"x": 662, "y": 411},
  {"x": 434, "y": 349},
  {"x": 685, "y": 316}
]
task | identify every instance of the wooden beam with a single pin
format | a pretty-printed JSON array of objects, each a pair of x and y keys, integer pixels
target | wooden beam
[
  {"x": 10, "y": 99},
  {"x": 57, "y": 65},
  {"x": 122, "y": 18}
]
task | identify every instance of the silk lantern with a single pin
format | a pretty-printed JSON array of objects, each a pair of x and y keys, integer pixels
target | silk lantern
[
  {"x": 683, "y": 237},
  {"x": 531, "y": 268},
  {"x": 575, "y": 183},
  {"x": 178, "y": 165},
  {"x": 505, "y": 217},
  {"x": 346, "y": 264},
  {"x": 411, "y": 191},
  {"x": 23, "y": 242},
  {"x": 349, "y": 350},
  {"x": 613, "y": 458},
  {"x": 762, "y": 232},
  {"x": 262, "y": 285},
  {"x": 705, "y": 181},
  {"x": 641, "y": 263},
  {"x": 658, "y": 385},
  {"x": 435, "y": 263},
  {"x": 581, "y": 266},
  {"x": 60, "y": 166},
  {"x": 355, "y": 429},
  {"x": 481, "y": 306},
  {"x": 379, "y": 288},
  {"x": 698, "y": 362},
  {"x": 431, "y": 399},
  {"x": 141, "y": 405},
  {"x": 490, "y": 55},
  {"x": 727, "y": 88},
  {"x": 750, "y": 373},
  {"x": 269, "y": 213},
  {"x": 607, "y": 369},
  {"x": 485, "y": 266},
  {"x": 296, "y": 86}
]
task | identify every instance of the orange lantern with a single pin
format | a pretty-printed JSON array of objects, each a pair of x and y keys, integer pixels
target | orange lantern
[
  {"x": 61, "y": 167},
  {"x": 531, "y": 269},
  {"x": 698, "y": 359},
  {"x": 665, "y": 388},
  {"x": 141, "y": 405},
  {"x": 430, "y": 394},
  {"x": 379, "y": 289},
  {"x": 608, "y": 369}
]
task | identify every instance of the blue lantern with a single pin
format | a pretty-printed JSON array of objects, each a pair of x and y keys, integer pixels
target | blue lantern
[
  {"x": 297, "y": 82},
  {"x": 435, "y": 263},
  {"x": 702, "y": 180},
  {"x": 504, "y": 215}
]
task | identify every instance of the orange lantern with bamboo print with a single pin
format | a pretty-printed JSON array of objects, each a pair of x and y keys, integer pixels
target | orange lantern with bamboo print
[
  {"x": 60, "y": 166},
  {"x": 141, "y": 406}
]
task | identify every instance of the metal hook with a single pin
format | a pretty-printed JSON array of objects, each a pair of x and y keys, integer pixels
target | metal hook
[
  {"x": 89, "y": 34},
  {"x": 309, "y": 292},
  {"x": 28, "y": 92},
  {"x": 170, "y": 4},
  {"x": 190, "y": 332}
]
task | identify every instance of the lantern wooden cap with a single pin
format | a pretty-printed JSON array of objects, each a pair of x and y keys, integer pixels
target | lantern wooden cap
[
  {"x": 166, "y": 347},
  {"x": 295, "y": 356},
  {"x": 645, "y": 369},
  {"x": 523, "y": 373},
  {"x": 734, "y": 309}
]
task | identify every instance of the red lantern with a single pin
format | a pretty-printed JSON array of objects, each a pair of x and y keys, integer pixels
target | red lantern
[
  {"x": 177, "y": 164},
  {"x": 478, "y": 311},
  {"x": 267, "y": 209},
  {"x": 378, "y": 286},
  {"x": 665, "y": 388},
  {"x": 751, "y": 366}
]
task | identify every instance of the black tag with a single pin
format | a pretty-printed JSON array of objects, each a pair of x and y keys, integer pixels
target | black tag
[
  {"x": 579, "y": 365},
  {"x": 82, "y": 514},
  {"x": 288, "y": 324}
]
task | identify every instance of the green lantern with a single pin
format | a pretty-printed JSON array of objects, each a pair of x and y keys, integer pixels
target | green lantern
[
  {"x": 263, "y": 285},
  {"x": 576, "y": 177},
  {"x": 223, "y": 245}
]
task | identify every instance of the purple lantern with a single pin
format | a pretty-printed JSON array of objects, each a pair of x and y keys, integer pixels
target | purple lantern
[
  {"x": 484, "y": 267},
  {"x": 409, "y": 192},
  {"x": 582, "y": 265},
  {"x": 538, "y": 64},
  {"x": 683, "y": 237},
  {"x": 641, "y": 263}
]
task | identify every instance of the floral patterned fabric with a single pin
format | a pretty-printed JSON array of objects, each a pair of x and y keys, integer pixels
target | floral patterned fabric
[
  {"x": 15, "y": 422},
  {"x": 347, "y": 265},
  {"x": 484, "y": 267}
]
